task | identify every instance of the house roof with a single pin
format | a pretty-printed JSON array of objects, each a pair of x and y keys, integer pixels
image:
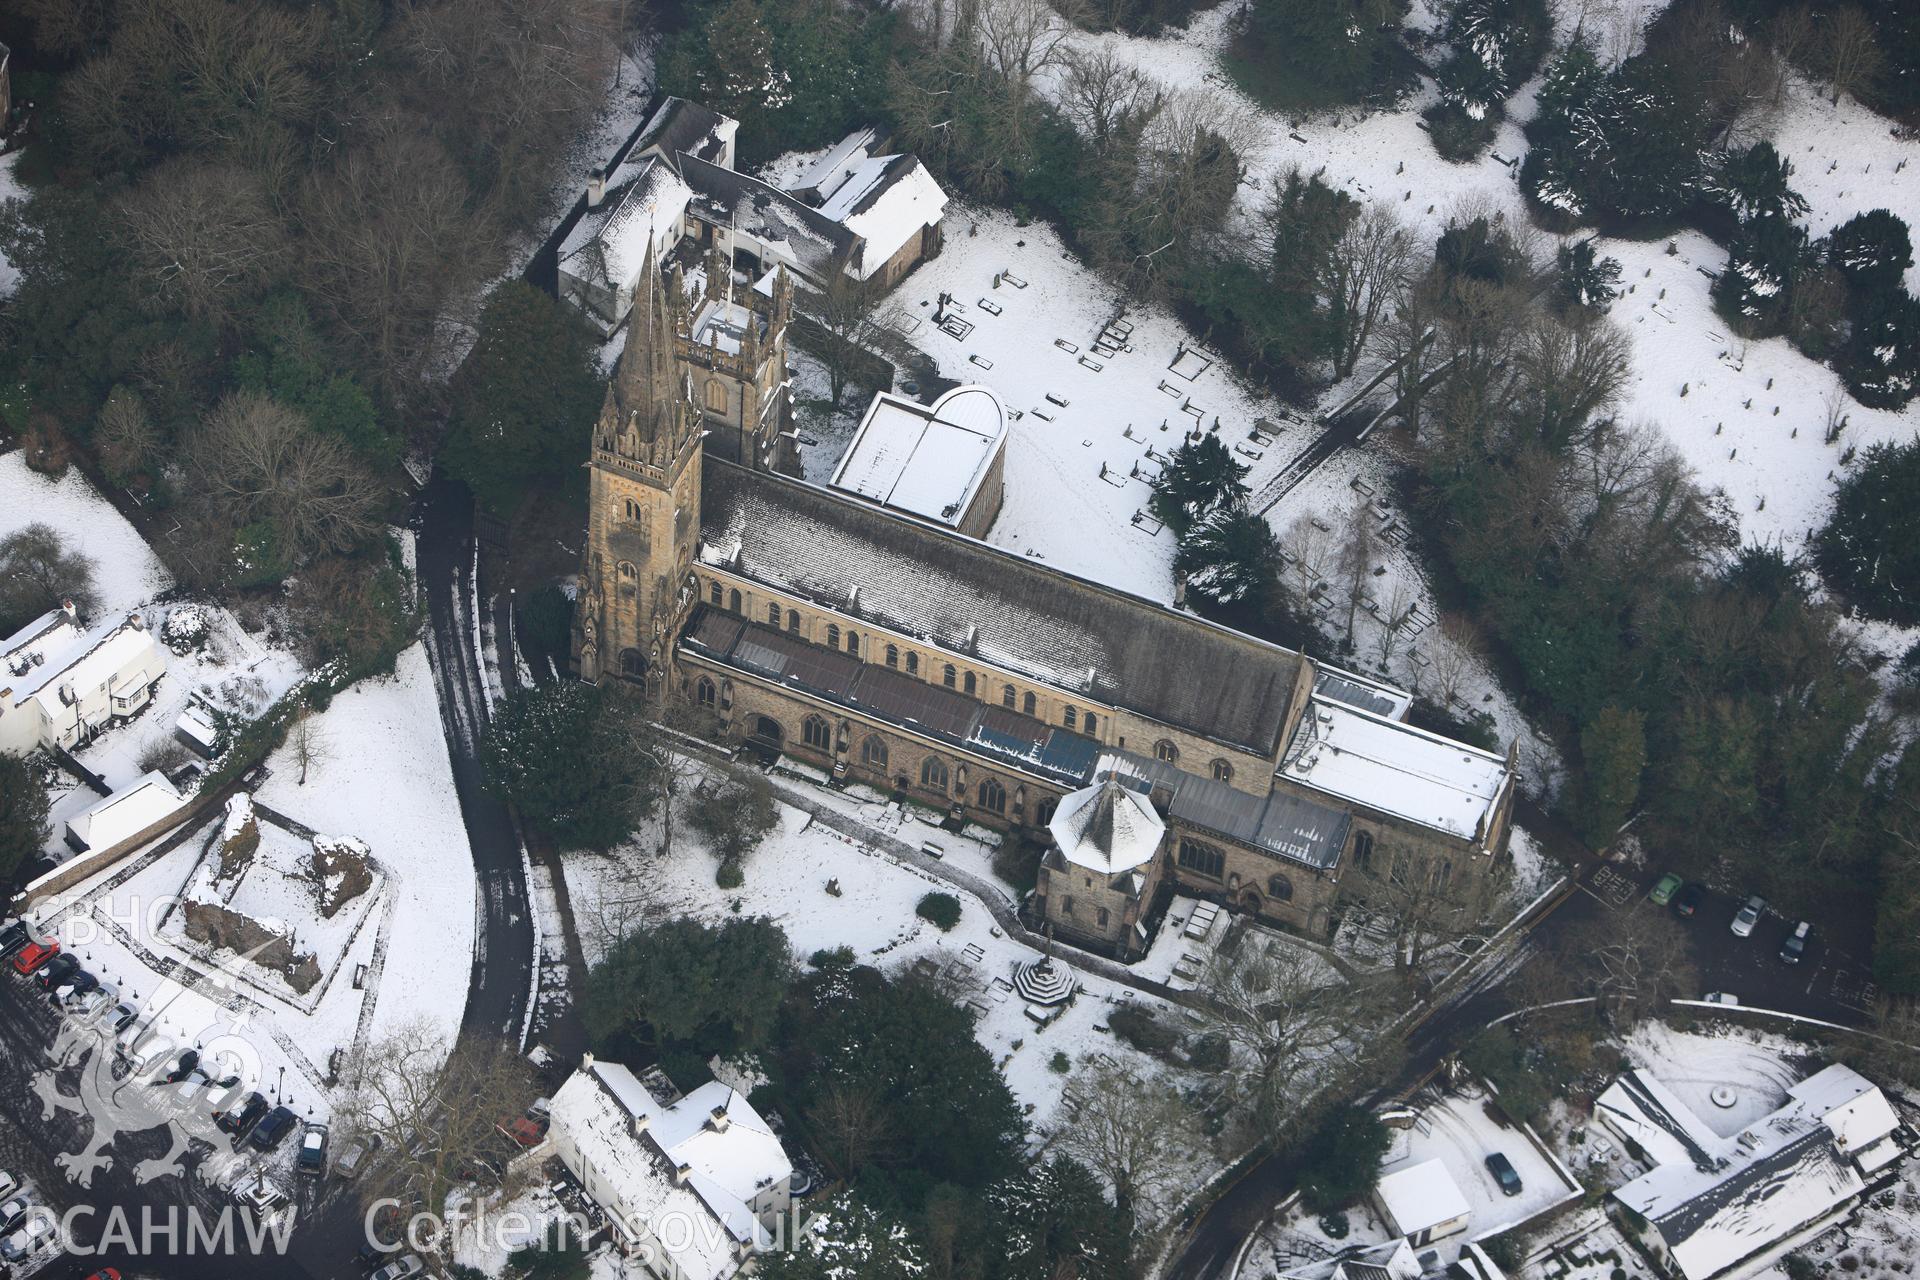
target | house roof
[
  {"x": 972, "y": 599},
  {"x": 1638, "y": 1106},
  {"x": 1395, "y": 768},
  {"x": 929, "y": 460},
  {"x": 824, "y": 176},
  {"x": 678, "y": 125},
  {"x": 886, "y": 201},
  {"x": 643, "y": 202},
  {"x": 725, "y": 197},
  {"x": 128, "y": 811},
  {"x": 1421, "y": 1196}
]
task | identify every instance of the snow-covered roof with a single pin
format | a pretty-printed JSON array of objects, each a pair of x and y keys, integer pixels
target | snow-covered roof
[
  {"x": 678, "y": 125},
  {"x": 1421, "y": 1197},
  {"x": 1641, "y": 1109},
  {"x": 123, "y": 655},
  {"x": 790, "y": 230},
  {"x": 1393, "y": 1260},
  {"x": 50, "y": 633},
  {"x": 1279, "y": 823},
  {"x": 1719, "y": 1201},
  {"x": 643, "y": 204},
  {"x": 824, "y": 176},
  {"x": 722, "y": 325},
  {"x": 1396, "y": 768},
  {"x": 702, "y": 1159},
  {"x": 927, "y": 581},
  {"x": 930, "y": 460},
  {"x": 886, "y": 201},
  {"x": 126, "y": 812},
  {"x": 1107, "y": 828}
]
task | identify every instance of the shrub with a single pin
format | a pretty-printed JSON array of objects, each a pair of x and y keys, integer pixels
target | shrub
[
  {"x": 1340, "y": 1162},
  {"x": 1017, "y": 862},
  {"x": 939, "y": 909},
  {"x": 1060, "y": 1064},
  {"x": 1137, "y": 1027},
  {"x": 729, "y": 876}
]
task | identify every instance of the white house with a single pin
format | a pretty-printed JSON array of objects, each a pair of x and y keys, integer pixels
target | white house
[
  {"x": 127, "y": 812},
  {"x": 1718, "y": 1205},
  {"x": 1421, "y": 1203},
  {"x": 60, "y": 685},
  {"x": 692, "y": 1189}
]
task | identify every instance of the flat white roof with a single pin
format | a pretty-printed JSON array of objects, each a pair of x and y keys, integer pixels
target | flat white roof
[
  {"x": 1422, "y": 1196},
  {"x": 1395, "y": 768},
  {"x": 929, "y": 460}
]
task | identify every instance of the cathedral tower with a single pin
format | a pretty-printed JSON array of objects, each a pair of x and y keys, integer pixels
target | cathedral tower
[{"x": 643, "y": 506}]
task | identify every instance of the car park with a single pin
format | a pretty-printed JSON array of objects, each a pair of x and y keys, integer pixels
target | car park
[
  {"x": 120, "y": 1018},
  {"x": 1664, "y": 888},
  {"x": 88, "y": 1007},
  {"x": 1504, "y": 1173},
  {"x": 1794, "y": 949},
  {"x": 8, "y": 1184},
  {"x": 148, "y": 1054},
  {"x": 1687, "y": 902},
  {"x": 184, "y": 1069},
  {"x": 31, "y": 957},
  {"x": 238, "y": 1120},
  {"x": 77, "y": 983},
  {"x": 1748, "y": 916},
  {"x": 405, "y": 1269},
  {"x": 273, "y": 1127},
  {"x": 312, "y": 1157},
  {"x": 355, "y": 1156},
  {"x": 56, "y": 971},
  {"x": 370, "y": 1255}
]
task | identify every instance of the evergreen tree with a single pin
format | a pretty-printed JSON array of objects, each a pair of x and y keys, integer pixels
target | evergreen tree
[
  {"x": 23, "y": 813},
  {"x": 1868, "y": 548},
  {"x": 1881, "y": 361},
  {"x": 700, "y": 989},
  {"x": 1753, "y": 184},
  {"x": 1873, "y": 251},
  {"x": 1755, "y": 291},
  {"x": 1228, "y": 557},
  {"x": 1613, "y": 750},
  {"x": 1329, "y": 45},
  {"x": 847, "y": 1239},
  {"x": 1340, "y": 1161},
  {"x": 1200, "y": 478},
  {"x": 575, "y": 759},
  {"x": 1054, "y": 1220},
  {"x": 524, "y": 402},
  {"x": 729, "y": 63},
  {"x": 1586, "y": 281}
]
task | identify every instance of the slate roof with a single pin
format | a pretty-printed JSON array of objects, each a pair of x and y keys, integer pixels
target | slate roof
[
  {"x": 1284, "y": 825},
  {"x": 1004, "y": 609},
  {"x": 732, "y": 199},
  {"x": 682, "y": 126}
]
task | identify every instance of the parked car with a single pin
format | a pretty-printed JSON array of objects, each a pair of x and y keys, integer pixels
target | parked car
[
  {"x": 13, "y": 938},
  {"x": 78, "y": 983},
  {"x": 524, "y": 1131},
  {"x": 405, "y": 1269},
  {"x": 313, "y": 1150},
  {"x": 1748, "y": 916},
  {"x": 34, "y": 955},
  {"x": 1794, "y": 949},
  {"x": 267, "y": 1133},
  {"x": 370, "y": 1255},
  {"x": 184, "y": 1069},
  {"x": 1504, "y": 1173},
  {"x": 148, "y": 1054},
  {"x": 106, "y": 1273},
  {"x": 237, "y": 1120},
  {"x": 121, "y": 1018},
  {"x": 353, "y": 1158},
  {"x": 1726, "y": 998},
  {"x": 1664, "y": 888},
  {"x": 35, "y": 1232},
  {"x": 87, "y": 1007},
  {"x": 56, "y": 971},
  {"x": 1686, "y": 903},
  {"x": 13, "y": 1213},
  {"x": 8, "y": 1183}
]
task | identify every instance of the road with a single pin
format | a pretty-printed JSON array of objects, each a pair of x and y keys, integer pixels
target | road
[{"x": 1831, "y": 984}]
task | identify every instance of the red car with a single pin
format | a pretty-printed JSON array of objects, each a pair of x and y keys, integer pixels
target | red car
[
  {"x": 106, "y": 1273},
  {"x": 34, "y": 956}
]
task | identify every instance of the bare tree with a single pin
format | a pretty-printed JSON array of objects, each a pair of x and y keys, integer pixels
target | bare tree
[
  {"x": 1285, "y": 1012},
  {"x": 434, "y": 1107},
  {"x": 1308, "y": 552},
  {"x": 1395, "y": 612},
  {"x": 1424, "y": 902},
  {"x": 202, "y": 235},
  {"x": 1633, "y": 960},
  {"x": 125, "y": 435},
  {"x": 1358, "y": 544},
  {"x": 1103, "y": 95},
  {"x": 1454, "y": 657},
  {"x": 1370, "y": 266},
  {"x": 1850, "y": 53},
  {"x": 1571, "y": 376},
  {"x": 1127, "y": 1126},
  {"x": 859, "y": 325},
  {"x": 853, "y": 1127},
  {"x": 257, "y": 460},
  {"x": 308, "y": 744}
]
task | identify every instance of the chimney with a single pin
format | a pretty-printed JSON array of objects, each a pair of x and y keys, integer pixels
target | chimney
[
  {"x": 718, "y": 1119},
  {"x": 596, "y": 187},
  {"x": 67, "y": 607},
  {"x": 682, "y": 1172},
  {"x": 1179, "y": 590}
]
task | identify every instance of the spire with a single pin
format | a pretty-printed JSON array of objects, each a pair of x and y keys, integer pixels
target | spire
[{"x": 645, "y": 401}]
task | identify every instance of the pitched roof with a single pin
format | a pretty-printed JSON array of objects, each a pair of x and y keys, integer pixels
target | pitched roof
[
  {"x": 819, "y": 245},
  {"x": 1107, "y": 828},
  {"x": 972, "y": 599},
  {"x": 1396, "y": 768},
  {"x": 1280, "y": 823},
  {"x": 678, "y": 125}
]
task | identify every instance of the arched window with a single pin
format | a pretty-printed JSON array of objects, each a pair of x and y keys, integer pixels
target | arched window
[
  {"x": 773, "y": 615},
  {"x": 1028, "y": 703},
  {"x": 793, "y": 620},
  {"x": 1093, "y": 725},
  {"x": 853, "y": 642},
  {"x": 633, "y": 510},
  {"x": 1044, "y": 814},
  {"x": 627, "y": 570},
  {"x": 968, "y": 685},
  {"x": 833, "y": 636},
  {"x": 704, "y": 693},
  {"x": 817, "y": 733},
  {"x": 893, "y": 655},
  {"x": 1165, "y": 750},
  {"x": 633, "y": 663},
  {"x": 1443, "y": 875},
  {"x": 715, "y": 595},
  {"x": 933, "y": 773},
  {"x": 733, "y": 600},
  {"x": 1398, "y": 872},
  {"x": 1222, "y": 771},
  {"x": 1007, "y": 696},
  {"x": 1202, "y": 859},
  {"x": 993, "y": 796},
  {"x": 1280, "y": 889},
  {"x": 873, "y": 753},
  {"x": 913, "y": 663},
  {"x": 1363, "y": 851},
  {"x": 716, "y": 392},
  {"x": 1072, "y": 717},
  {"x": 951, "y": 677}
]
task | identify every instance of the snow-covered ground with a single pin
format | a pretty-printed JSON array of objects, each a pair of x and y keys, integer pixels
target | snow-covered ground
[
  {"x": 126, "y": 573},
  {"x": 1758, "y": 1066},
  {"x": 10, "y": 189}
]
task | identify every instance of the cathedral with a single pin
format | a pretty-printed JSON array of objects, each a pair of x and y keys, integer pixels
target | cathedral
[{"x": 1146, "y": 749}]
